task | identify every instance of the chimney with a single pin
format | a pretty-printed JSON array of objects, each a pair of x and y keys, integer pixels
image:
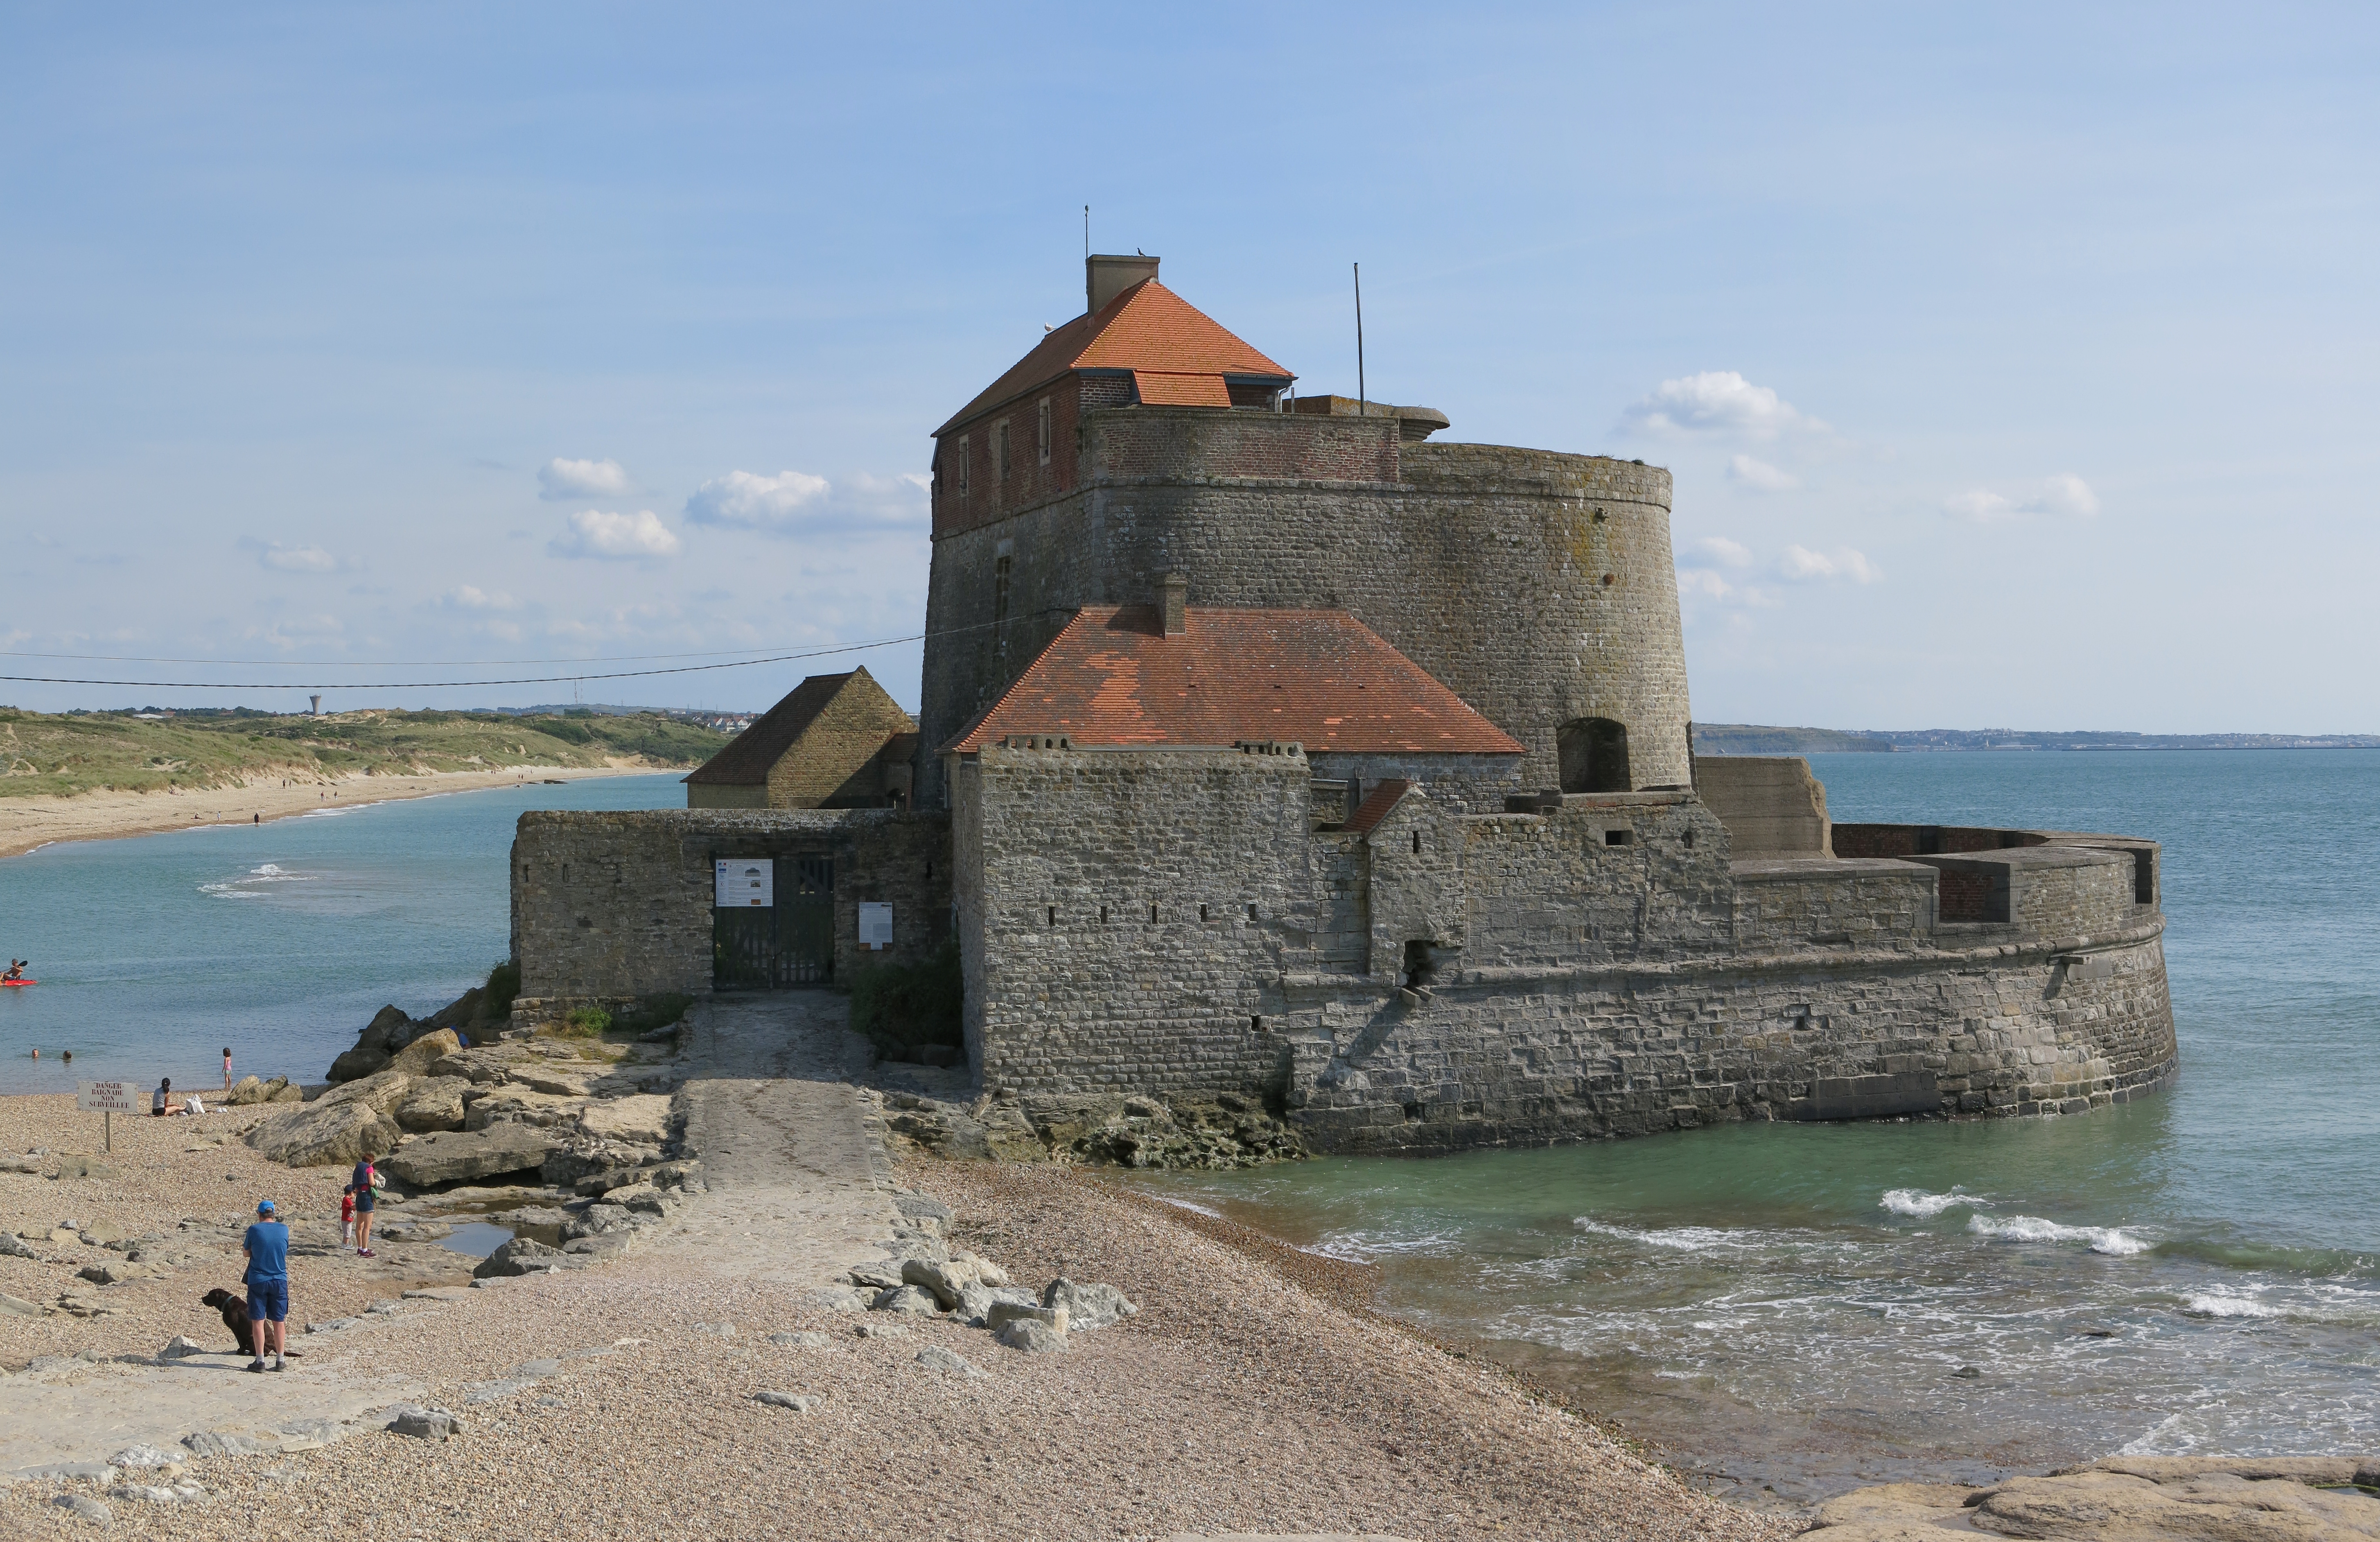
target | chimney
[
  {"x": 1172, "y": 599},
  {"x": 1106, "y": 277}
]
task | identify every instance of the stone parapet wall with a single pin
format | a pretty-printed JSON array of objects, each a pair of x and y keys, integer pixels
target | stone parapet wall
[
  {"x": 1785, "y": 905},
  {"x": 1500, "y": 1060},
  {"x": 615, "y": 905}
]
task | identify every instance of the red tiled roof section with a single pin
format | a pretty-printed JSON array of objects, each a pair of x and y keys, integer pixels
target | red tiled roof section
[
  {"x": 1147, "y": 327},
  {"x": 1377, "y": 804},
  {"x": 1320, "y": 677},
  {"x": 1171, "y": 389}
]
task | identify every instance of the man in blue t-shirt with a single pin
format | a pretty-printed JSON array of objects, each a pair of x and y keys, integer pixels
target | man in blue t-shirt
[{"x": 267, "y": 1246}]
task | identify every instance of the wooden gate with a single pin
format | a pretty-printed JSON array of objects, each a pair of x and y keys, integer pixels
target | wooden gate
[{"x": 778, "y": 946}]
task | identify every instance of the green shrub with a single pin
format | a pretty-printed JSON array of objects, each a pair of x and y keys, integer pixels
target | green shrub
[
  {"x": 902, "y": 1005},
  {"x": 504, "y": 984},
  {"x": 586, "y": 1021}
]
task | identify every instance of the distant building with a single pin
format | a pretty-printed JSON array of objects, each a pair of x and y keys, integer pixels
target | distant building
[{"x": 836, "y": 741}]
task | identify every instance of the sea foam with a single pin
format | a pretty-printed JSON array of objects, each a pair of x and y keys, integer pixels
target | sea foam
[
  {"x": 1917, "y": 1202},
  {"x": 2222, "y": 1305},
  {"x": 1683, "y": 1239},
  {"x": 2024, "y": 1228}
]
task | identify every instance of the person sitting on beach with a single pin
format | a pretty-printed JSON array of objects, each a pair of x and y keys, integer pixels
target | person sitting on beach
[{"x": 162, "y": 1098}]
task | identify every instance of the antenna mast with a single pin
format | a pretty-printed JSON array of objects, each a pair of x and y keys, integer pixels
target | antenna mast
[{"x": 1361, "y": 410}]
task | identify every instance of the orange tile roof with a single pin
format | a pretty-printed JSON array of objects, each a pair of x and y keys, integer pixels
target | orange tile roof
[
  {"x": 1384, "y": 796},
  {"x": 1147, "y": 327},
  {"x": 1156, "y": 389},
  {"x": 1320, "y": 677}
]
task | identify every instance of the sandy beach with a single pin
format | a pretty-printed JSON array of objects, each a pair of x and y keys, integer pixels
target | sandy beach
[{"x": 28, "y": 822}]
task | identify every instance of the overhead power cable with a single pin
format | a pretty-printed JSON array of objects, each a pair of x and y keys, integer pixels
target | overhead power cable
[{"x": 463, "y": 685}]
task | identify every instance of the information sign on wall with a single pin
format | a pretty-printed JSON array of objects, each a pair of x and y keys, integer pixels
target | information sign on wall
[
  {"x": 741, "y": 882},
  {"x": 876, "y": 926},
  {"x": 107, "y": 1096}
]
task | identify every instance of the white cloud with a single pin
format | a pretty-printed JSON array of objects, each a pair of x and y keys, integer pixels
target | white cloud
[
  {"x": 293, "y": 559},
  {"x": 795, "y": 502},
  {"x": 1702, "y": 583},
  {"x": 2065, "y": 495},
  {"x": 560, "y": 480},
  {"x": 472, "y": 598},
  {"x": 1716, "y": 401},
  {"x": 593, "y": 533},
  {"x": 1726, "y": 552},
  {"x": 1760, "y": 474},
  {"x": 1803, "y": 565}
]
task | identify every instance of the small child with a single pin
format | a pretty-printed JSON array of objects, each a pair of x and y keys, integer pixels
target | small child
[{"x": 347, "y": 1219}]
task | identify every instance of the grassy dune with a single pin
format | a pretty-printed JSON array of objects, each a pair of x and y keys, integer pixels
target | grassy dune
[{"x": 42, "y": 754}]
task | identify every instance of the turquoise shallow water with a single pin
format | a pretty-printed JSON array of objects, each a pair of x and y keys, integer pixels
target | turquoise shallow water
[
  {"x": 1805, "y": 1307},
  {"x": 278, "y": 940}
]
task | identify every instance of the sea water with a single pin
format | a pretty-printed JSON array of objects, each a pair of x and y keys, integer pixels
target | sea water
[
  {"x": 278, "y": 940},
  {"x": 1800, "y": 1308}
]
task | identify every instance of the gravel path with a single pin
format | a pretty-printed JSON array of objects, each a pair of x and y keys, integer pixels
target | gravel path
[{"x": 620, "y": 1399}]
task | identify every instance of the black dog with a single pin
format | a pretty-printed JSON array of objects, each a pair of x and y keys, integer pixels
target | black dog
[{"x": 235, "y": 1315}]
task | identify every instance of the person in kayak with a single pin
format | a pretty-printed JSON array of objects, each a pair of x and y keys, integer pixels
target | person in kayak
[{"x": 16, "y": 969}]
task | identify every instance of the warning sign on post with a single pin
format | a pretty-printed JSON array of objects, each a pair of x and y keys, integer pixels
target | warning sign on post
[
  {"x": 874, "y": 926},
  {"x": 107, "y": 1097},
  {"x": 743, "y": 882}
]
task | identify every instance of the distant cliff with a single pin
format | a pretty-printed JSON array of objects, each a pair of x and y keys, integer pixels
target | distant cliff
[{"x": 1746, "y": 738}]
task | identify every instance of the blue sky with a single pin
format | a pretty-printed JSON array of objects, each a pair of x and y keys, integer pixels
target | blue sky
[{"x": 2017, "y": 369}]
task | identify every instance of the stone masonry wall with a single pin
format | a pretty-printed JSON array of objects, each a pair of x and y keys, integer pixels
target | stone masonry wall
[
  {"x": 1451, "y": 979},
  {"x": 1538, "y": 586},
  {"x": 610, "y": 906}
]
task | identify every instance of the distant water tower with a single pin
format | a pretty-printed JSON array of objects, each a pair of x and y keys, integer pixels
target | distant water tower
[{"x": 314, "y": 707}]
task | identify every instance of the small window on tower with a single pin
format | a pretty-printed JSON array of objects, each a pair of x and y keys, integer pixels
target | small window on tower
[
  {"x": 1045, "y": 430},
  {"x": 963, "y": 466}
]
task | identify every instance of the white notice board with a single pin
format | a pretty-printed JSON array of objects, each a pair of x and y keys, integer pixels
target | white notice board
[
  {"x": 107, "y": 1096},
  {"x": 874, "y": 926},
  {"x": 742, "y": 881}
]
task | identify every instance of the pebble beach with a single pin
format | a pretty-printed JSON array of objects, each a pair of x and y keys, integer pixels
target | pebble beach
[{"x": 1245, "y": 1395}]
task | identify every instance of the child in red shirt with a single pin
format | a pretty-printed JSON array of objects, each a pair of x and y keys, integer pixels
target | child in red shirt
[{"x": 347, "y": 1220}]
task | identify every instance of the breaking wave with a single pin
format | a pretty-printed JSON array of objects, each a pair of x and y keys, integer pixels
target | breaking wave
[
  {"x": 2226, "y": 1305},
  {"x": 1924, "y": 1206},
  {"x": 2110, "y": 1240},
  {"x": 1684, "y": 1239},
  {"x": 251, "y": 884}
]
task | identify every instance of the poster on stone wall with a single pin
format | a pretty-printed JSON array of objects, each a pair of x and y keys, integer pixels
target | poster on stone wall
[
  {"x": 874, "y": 926},
  {"x": 741, "y": 882}
]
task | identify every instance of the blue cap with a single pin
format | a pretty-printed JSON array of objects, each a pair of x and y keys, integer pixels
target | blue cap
[{"x": 264, "y": 1207}]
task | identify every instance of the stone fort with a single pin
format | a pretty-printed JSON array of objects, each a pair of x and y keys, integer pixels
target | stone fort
[{"x": 1268, "y": 746}]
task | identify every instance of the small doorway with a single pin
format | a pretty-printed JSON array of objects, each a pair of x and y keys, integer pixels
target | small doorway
[
  {"x": 1593, "y": 755},
  {"x": 787, "y": 939}
]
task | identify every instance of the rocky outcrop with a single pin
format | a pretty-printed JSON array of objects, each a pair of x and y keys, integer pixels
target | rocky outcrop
[
  {"x": 434, "y": 1104},
  {"x": 416, "y": 1058},
  {"x": 1114, "y": 1130},
  {"x": 390, "y": 1033},
  {"x": 518, "y": 1256},
  {"x": 2126, "y": 1500},
  {"x": 643, "y": 1119},
  {"x": 458, "y": 1156},
  {"x": 345, "y": 1125}
]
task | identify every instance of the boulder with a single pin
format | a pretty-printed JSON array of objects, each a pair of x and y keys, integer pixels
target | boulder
[
  {"x": 84, "y": 1167},
  {"x": 416, "y": 1058},
  {"x": 937, "y": 1358},
  {"x": 520, "y": 1256},
  {"x": 943, "y": 1280},
  {"x": 382, "y": 1092},
  {"x": 18, "y": 1307},
  {"x": 1087, "y": 1306},
  {"x": 14, "y": 1246},
  {"x": 455, "y": 1156},
  {"x": 460, "y": 1012},
  {"x": 908, "y": 1299},
  {"x": 246, "y": 1090},
  {"x": 596, "y": 1220},
  {"x": 356, "y": 1064},
  {"x": 519, "y": 1105},
  {"x": 325, "y": 1134},
  {"x": 385, "y": 1032},
  {"x": 178, "y": 1347},
  {"x": 644, "y": 1119},
  {"x": 999, "y": 1314},
  {"x": 280, "y": 1090},
  {"x": 434, "y": 1104},
  {"x": 1031, "y": 1336},
  {"x": 424, "y": 1424}
]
